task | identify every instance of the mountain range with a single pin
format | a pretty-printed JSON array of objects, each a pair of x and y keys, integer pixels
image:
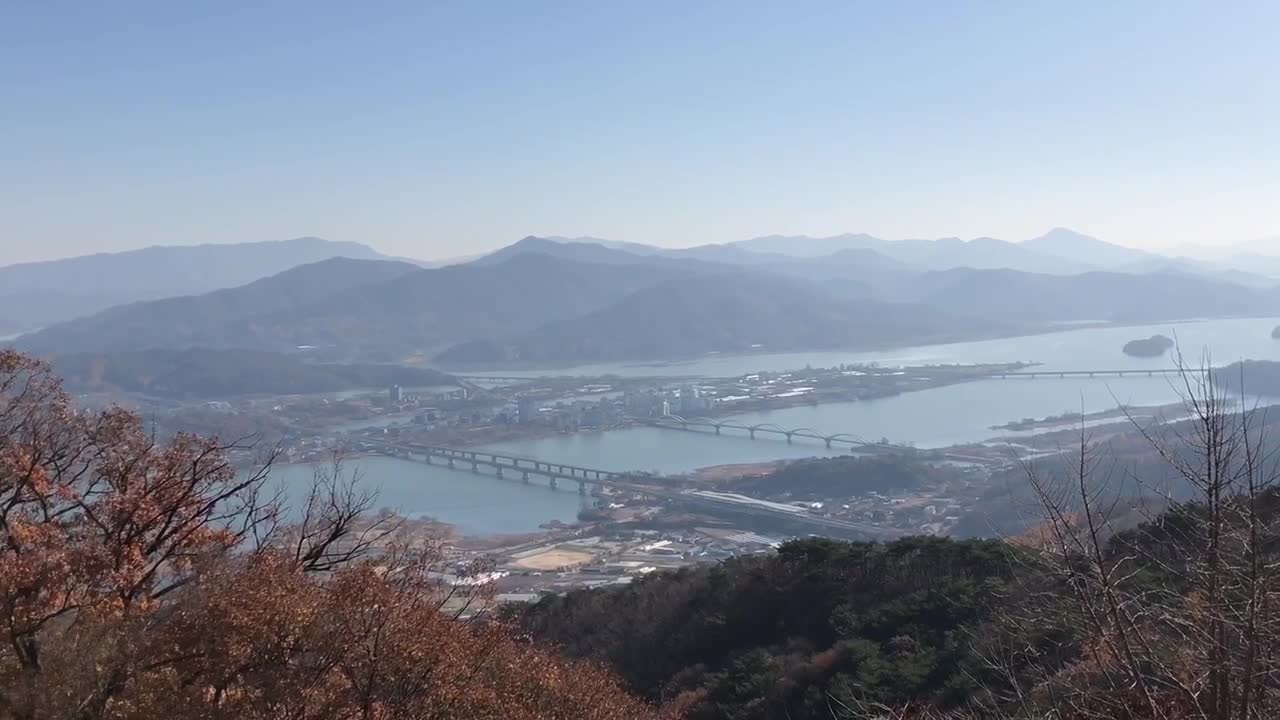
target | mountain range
[
  {"x": 723, "y": 312},
  {"x": 37, "y": 294},
  {"x": 562, "y": 300},
  {"x": 369, "y": 309},
  {"x": 1061, "y": 251}
]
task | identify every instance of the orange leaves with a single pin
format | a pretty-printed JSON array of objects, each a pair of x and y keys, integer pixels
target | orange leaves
[{"x": 127, "y": 591}]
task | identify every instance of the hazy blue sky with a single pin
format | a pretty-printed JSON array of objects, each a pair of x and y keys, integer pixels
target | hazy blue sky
[{"x": 437, "y": 130}]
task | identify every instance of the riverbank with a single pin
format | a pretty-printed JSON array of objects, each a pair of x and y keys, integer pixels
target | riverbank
[
  {"x": 1075, "y": 418},
  {"x": 754, "y": 393},
  {"x": 1074, "y": 347},
  {"x": 714, "y": 474}
]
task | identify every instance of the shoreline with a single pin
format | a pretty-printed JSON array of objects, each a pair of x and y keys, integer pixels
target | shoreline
[
  {"x": 1073, "y": 326},
  {"x": 532, "y": 432},
  {"x": 1051, "y": 423}
]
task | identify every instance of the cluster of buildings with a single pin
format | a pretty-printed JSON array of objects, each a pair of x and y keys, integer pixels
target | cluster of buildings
[
  {"x": 688, "y": 400},
  {"x": 401, "y": 398},
  {"x": 567, "y": 415}
]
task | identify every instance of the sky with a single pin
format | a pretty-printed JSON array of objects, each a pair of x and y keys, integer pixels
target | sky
[{"x": 434, "y": 130}]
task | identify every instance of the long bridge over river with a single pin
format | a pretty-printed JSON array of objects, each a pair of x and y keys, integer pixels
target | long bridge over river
[
  {"x": 719, "y": 425},
  {"x": 514, "y": 466},
  {"x": 709, "y": 425},
  {"x": 523, "y": 379},
  {"x": 1101, "y": 373}
]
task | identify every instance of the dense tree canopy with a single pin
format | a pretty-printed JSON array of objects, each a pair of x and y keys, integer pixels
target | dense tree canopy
[
  {"x": 841, "y": 476},
  {"x": 787, "y": 635}
]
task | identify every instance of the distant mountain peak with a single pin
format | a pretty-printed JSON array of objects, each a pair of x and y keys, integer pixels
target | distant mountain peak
[
  {"x": 535, "y": 240},
  {"x": 1066, "y": 234},
  {"x": 1074, "y": 245},
  {"x": 564, "y": 239}
]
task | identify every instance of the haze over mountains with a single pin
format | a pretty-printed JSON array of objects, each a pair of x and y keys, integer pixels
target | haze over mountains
[
  {"x": 722, "y": 312},
  {"x": 36, "y": 294},
  {"x": 561, "y": 300}
]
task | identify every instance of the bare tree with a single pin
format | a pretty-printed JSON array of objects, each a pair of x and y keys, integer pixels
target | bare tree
[{"x": 1174, "y": 618}]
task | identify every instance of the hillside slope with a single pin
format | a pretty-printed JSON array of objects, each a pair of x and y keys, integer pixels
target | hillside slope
[
  {"x": 728, "y": 312},
  {"x": 1103, "y": 296},
  {"x": 223, "y": 318},
  {"x": 56, "y": 290},
  {"x": 205, "y": 373},
  {"x": 362, "y": 309},
  {"x": 781, "y": 636}
]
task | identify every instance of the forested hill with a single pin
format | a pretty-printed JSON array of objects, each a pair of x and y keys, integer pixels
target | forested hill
[
  {"x": 780, "y": 636},
  {"x": 232, "y": 317},
  {"x": 362, "y": 309},
  {"x": 725, "y": 312},
  {"x": 57, "y": 290},
  {"x": 207, "y": 373}
]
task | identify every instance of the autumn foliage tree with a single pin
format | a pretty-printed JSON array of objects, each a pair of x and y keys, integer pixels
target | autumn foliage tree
[{"x": 147, "y": 579}]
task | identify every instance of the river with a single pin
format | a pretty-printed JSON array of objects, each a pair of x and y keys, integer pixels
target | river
[
  {"x": 1077, "y": 349},
  {"x": 475, "y": 504},
  {"x": 929, "y": 418}
]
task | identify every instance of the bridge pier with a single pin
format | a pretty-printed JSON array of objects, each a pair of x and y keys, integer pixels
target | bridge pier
[
  {"x": 717, "y": 429},
  {"x": 553, "y": 481},
  {"x": 427, "y": 458},
  {"x": 499, "y": 472},
  {"x": 450, "y": 463},
  {"x": 828, "y": 441},
  {"x": 524, "y": 477},
  {"x": 788, "y": 438},
  {"x": 582, "y": 487},
  {"x": 752, "y": 433},
  {"x": 475, "y": 467}
]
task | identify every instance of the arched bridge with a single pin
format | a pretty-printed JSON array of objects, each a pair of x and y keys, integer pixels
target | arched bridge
[{"x": 707, "y": 424}]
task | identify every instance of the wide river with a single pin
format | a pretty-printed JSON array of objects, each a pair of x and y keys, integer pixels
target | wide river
[
  {"x": 930, "y": 418},
  {"x": 475, "y": 504}
]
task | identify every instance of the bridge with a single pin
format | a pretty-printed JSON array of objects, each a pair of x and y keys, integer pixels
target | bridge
[
  {"x": 707, "y": 424},
  {"x": 520, "y": 379},
  {"x": 1149, "y": 372},
  {"x": 505, "y": 465},
  {"x": 524, "y": 467}
]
